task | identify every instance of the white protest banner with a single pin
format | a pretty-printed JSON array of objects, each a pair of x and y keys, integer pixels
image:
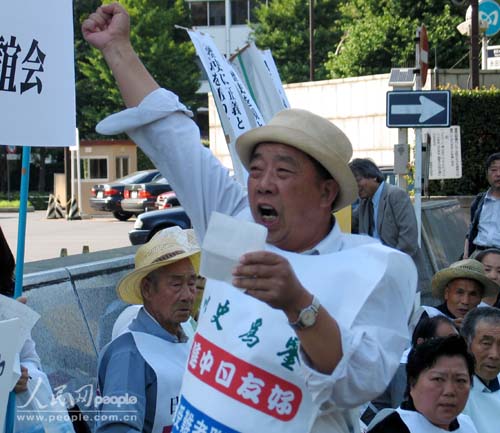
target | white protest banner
[
  {"x": 445, "y": 160},
  {"x": 231, "y": 107},
  {"x": 250, "y": 104},
  {"x": 259, "y": 72},
  {"x": 37, "y": 83},
  {"x": 237, "y": 110},
  {"x": 9, "y": 346},
  {"x": 273, "y": 71}
]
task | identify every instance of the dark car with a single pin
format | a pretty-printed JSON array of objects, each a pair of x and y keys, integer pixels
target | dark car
[
  {"x": 166, "y": 200},
  {"x": 149, "y": 223},
  {"x": 108, "y": 196},
  {"x": 141, "y": 197}
]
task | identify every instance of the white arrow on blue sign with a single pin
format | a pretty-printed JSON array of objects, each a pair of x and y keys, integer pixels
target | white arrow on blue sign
[{"x": 416, "y": 109}]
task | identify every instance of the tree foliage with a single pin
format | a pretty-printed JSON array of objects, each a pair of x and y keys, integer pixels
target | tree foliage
[
  {"x": 166, "y": 52},
  {"x": 357, "y": 37},
  {"x": 283, "y": 26},
  {"x": 378, "y": 35}
]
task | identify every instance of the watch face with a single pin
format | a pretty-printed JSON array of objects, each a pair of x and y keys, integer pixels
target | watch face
[{"x": 308, "y": 317}]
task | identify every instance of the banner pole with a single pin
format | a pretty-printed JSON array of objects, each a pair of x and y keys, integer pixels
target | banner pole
[{"x": 21, "y": 237}]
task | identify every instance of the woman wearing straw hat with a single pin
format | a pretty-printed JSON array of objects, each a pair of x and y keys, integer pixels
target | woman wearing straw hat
[
  {"x": 461, "y": 286},
  {"x": 140, "y": 371}
]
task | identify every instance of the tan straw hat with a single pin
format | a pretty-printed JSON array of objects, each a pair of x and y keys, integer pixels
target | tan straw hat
[
  {"x": 313, "y": 135},
  {"x": 468, "y": 268},
  {"x": 164, "y": 248}
]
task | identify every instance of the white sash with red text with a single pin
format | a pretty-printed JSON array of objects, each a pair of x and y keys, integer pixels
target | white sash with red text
[{"x": 243, "y": 368}]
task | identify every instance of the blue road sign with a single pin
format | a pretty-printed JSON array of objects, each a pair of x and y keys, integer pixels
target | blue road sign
[
  {"x": 489, "y": 11},
  {"x": 418, "y": 109}
]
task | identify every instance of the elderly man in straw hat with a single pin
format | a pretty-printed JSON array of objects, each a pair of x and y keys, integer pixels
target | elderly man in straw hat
[
  {"x": 140, "y": 371},
  {"x": 312, "y": 333},
  {"x": 461, "y": 286}
]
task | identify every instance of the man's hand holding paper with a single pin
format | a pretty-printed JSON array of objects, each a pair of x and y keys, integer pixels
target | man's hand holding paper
[{"x": 270, "y": 278}]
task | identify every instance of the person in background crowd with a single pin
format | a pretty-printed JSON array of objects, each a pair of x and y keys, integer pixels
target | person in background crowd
[
  {"x": 29, "y": 358},
  {"x": 427, "y": 328},
  {"x": 481, "y": 329},
  {"x": 461, "y": 286},
  {"x": 298, "y": 174},
  {"x": 385, "y": 211},
  {"x": 484, "y": 229},
  {"x": 31, "y": 366},
  {"x": 439, "y": 379},
  {"x": 490, "y": 259},
  {"x": 146, "y": 359}
]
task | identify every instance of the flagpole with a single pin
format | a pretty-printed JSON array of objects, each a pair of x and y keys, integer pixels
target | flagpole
[{"x": 21, "y": 237}]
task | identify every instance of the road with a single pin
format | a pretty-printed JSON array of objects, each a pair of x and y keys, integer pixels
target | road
[{"x": 45, "y": 238}]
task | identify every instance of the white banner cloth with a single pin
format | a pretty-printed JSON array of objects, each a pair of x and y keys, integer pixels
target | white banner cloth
[
  {"x": 243, "y": 369},
  {"x": 259, "y": 72}
]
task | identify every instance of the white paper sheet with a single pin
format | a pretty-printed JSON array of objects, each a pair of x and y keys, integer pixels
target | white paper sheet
[
  {"x": 10, "y": 309},
  {"x": 226, "y": 240}
]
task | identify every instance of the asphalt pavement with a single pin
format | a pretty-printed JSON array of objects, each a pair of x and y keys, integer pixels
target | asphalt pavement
[{"x": 46, "y": 238}]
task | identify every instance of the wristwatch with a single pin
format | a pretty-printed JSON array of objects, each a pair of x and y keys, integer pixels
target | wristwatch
[{"x": 307, "y": 316}]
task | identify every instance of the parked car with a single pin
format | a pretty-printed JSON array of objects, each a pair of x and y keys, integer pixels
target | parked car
[
  {"x": 166, "y": 200},
  {"x": 108, "y": 196},
  {"x": 141, "y": 197},
  {"x": 149, "y": 223}
]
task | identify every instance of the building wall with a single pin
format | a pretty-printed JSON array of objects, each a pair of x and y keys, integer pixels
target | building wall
[{"x": 355, "y": 105}]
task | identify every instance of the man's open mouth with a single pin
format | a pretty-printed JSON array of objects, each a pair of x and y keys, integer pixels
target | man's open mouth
[{"x": 267, "y": 213}]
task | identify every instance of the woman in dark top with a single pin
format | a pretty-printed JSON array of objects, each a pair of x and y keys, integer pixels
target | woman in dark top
[{"x": 439, "y": 375}]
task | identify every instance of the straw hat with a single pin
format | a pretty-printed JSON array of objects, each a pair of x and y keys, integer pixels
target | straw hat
[
  {"x": 313, "y": 135},
  {"x": 164, "y": 248},
  {"x": 468, "y": 268}
]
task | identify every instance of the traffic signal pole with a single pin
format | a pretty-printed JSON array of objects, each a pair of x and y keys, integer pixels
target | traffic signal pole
[{"x": 474, "y": 44}]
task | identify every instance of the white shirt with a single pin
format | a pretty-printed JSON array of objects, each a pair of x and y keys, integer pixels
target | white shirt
[
  {"x": 370, "y": 353},
  {"x": 489, "y": 223},
  {"x": 483, "y": 406}
]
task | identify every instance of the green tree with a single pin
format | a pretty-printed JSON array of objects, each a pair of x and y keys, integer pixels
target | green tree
[
  {"x": 166, "y": 51},
  {"x": 378, "y": 35},
  {"x": 283, "y": 27}
]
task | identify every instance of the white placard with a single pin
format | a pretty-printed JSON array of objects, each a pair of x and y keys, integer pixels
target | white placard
[
  {"x": 493, "y": 61},
  {"x": 37, "y": 80},
  {"x": 226, "y": 240},
  {"x": 9, "y": 343},
  {"x": 445, "y": 160}
]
